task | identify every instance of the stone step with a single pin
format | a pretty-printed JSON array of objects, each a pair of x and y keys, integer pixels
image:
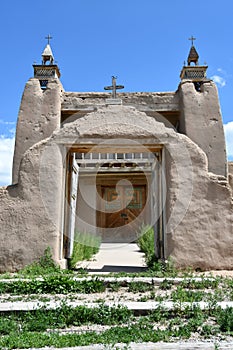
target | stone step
[
  {"x": 136, "y": 307},
  {"x": 121, "y": 280}
]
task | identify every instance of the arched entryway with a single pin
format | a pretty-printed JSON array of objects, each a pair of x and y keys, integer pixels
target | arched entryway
[{"x": 113, "y": 193}]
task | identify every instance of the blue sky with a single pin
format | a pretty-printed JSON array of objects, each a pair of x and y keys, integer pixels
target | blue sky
[{"x": 144, "y": 43}]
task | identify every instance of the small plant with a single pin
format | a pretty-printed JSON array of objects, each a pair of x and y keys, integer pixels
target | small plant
[
  {"x": 146, "y": 243},
  {"x": 85, "y": 246},
  {"x": 45, "y": 265},
  {"x": 140, "y": 287},
  {"x": 225, "y": 319},
  {"x": 165, "y": 284},
  {"x": 114, "y": 286},
  {"x": 183, "y": 295}
]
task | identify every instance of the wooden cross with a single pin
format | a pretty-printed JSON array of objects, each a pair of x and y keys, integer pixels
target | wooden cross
[
  {"x": 192, "y": 39},
  {"x": 49, "y": 37},
  {"x": 114, "y": 87}
]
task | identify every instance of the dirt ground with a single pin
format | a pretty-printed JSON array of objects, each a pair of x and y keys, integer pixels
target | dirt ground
[{"x": 222, "y": 273}]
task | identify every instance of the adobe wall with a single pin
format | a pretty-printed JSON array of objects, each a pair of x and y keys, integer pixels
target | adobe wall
[
  {"x": 230, "y": 174},
  {"x": 145, "y": 101},
  {"x": 201, "y": 121},
  {"x": 39, "y": 116},
  {"x": 200, "y": 221},
  {"x": 27, "y": 226}
]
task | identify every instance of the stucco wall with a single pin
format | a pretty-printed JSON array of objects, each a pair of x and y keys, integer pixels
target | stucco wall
[
  {"x": 29, "y": 223},
  {"x": 147, "y": 101},
  {"x": 200, "y": 221},
  {"x": 201, "y": 121},
  {"x": 230, "y": 174},
  {"x": 39, "y": 116}
]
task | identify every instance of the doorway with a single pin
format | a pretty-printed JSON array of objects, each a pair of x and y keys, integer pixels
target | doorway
[{"x": 116, "y": 210}]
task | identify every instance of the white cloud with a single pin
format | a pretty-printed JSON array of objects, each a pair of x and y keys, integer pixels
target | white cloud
[
  {"x": 6, "y": 158},
  {"x": 6, "y": 122},
  {"x": 228, "y": 128},
  {"x": 220, "y": 81},
  {"x": 220, "y": 70}
]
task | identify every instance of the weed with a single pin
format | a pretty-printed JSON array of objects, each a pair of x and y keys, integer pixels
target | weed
[
  {"x": 45, "y": 265},
  {"x": 140, "y": 287},
  {"x": 165, "y": 284},
  {"x": 58, "y": 284},
  {"x": 225, "y": 319},
  {"x": 65, "y": 316},
  {"x": 146, "y": 243},
  {"x": 114, "y": 286},
  {"x": 183, "y": 295},
  {"x": 85, "y": 246},
  {"x": 205, "y": 283}
]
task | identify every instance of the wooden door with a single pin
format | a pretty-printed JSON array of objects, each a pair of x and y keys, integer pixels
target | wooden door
[{"x": 123, "y": 206}]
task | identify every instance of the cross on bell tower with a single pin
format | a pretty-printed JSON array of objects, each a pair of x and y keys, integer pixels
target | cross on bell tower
[
  {"x": 48, "y": 37},
  {"x": 45, "y": 72},
  {"x": 192, "y": 39}
]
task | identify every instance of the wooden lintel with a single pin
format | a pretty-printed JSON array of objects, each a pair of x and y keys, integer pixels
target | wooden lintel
[{"x": 108, "y": 148}]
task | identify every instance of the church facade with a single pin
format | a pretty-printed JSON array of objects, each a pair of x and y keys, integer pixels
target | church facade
[{"x": 106, "y": 164}]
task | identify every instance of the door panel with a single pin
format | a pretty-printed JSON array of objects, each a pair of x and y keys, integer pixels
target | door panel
[{"x": 123, "y": 206}]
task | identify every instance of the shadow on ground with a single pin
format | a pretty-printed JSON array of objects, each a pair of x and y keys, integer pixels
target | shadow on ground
[{"x": 114, "y": 268}]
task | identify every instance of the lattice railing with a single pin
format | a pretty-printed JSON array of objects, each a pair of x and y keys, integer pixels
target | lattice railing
[
  {"x": 194, "y": 74},
  {"x": 44, "y": 73}
]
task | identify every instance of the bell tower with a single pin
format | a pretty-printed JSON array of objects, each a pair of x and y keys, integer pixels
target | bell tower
[
  {"x": 200, "y": 114},
  {"x": 40, "y": 108},
  {"x": 192, "y": 70},
  {"x": 47, "y": 70}
]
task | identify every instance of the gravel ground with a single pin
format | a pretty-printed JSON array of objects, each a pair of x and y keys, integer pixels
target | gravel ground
[
  {"x": 215, "y": 273},
  {"x": 211, "y": 345}
]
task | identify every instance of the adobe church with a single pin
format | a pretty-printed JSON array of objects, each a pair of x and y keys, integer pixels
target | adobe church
[{"x": 107, "y": 163}]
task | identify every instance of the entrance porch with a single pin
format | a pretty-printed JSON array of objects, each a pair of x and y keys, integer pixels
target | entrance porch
[{"x": 112, "y": 194}]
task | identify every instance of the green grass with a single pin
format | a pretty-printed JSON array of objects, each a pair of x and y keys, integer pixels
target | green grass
[
  {"x": 40, "y": 320},
  {"x": 146, "y": 243},
  {"x": 85, "y": 246},
  {"x": 62, "y": 284},
  {"x": 45, "y": 265},
  {"x": 38, "y": 328}
]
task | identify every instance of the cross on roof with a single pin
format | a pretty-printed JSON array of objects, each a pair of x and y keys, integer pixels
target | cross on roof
[
  {"x": 48, "y": 37},
  {"x": 114, "y": 87},
  {"x": 192, "y": 39}
]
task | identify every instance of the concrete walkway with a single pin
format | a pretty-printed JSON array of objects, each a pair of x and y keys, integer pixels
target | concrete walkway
[{"x": 116, "y": 257}]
